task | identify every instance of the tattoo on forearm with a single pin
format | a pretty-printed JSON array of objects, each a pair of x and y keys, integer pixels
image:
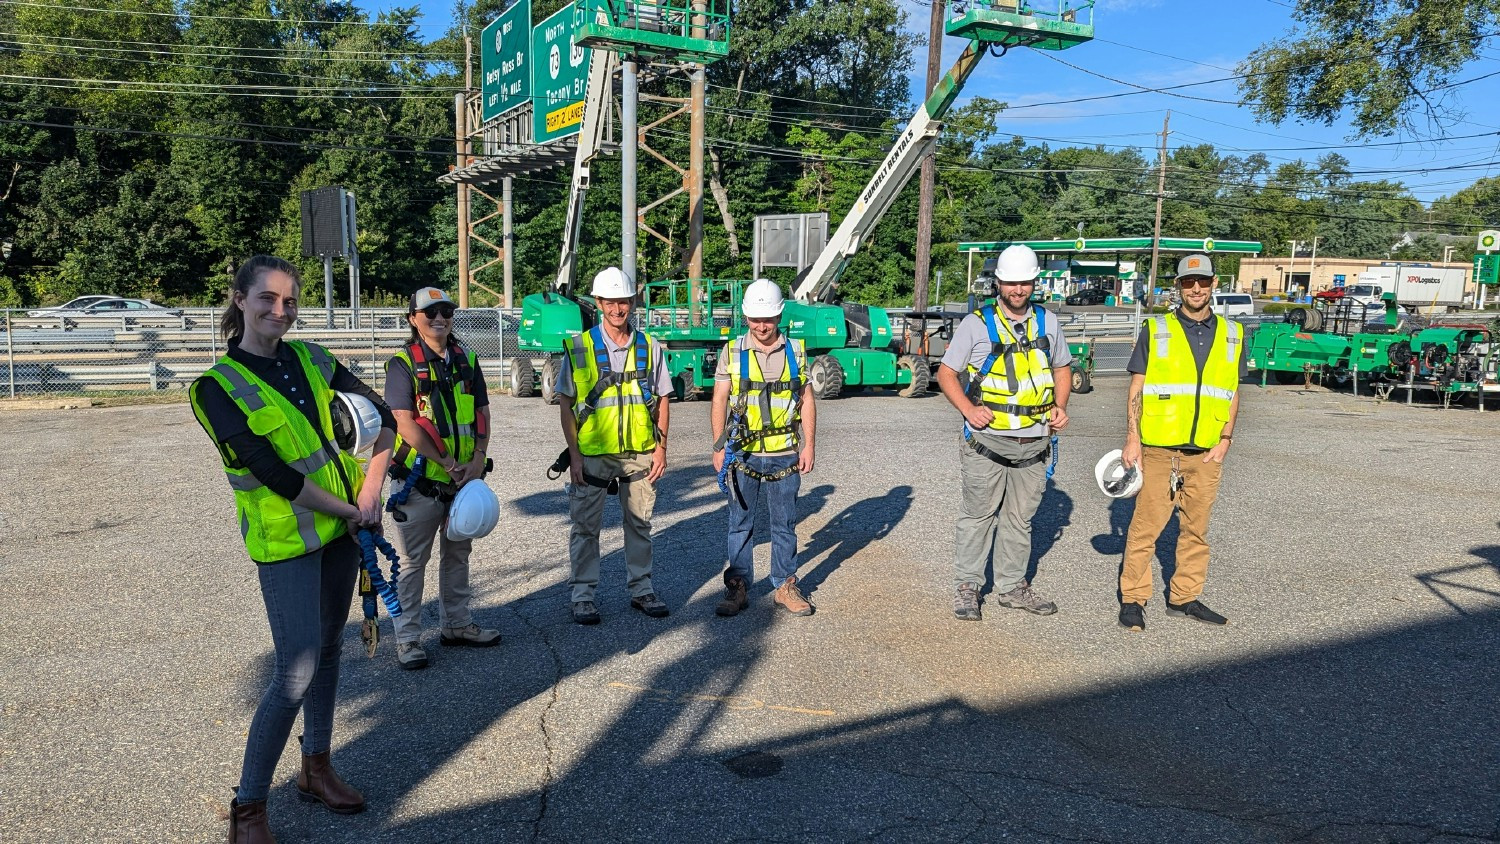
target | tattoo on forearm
[{"x": 1133, "y": 414}]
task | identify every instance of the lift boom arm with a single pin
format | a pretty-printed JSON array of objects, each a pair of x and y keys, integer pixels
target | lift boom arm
[
  {"x": 602, "y": 66},
  {"x": 892, "y": 175}
]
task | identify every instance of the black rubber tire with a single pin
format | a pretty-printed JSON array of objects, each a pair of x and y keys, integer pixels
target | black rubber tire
[
  {"x": 550, "y": 370},
  {"x": 1083, "y": 381},
  {"x": 1340, "y": 376},
  {"x": 522, "y": 379},
  {"x": 1297, "y": 317},
  {"x": 921, "y": 376},
  {"x": 690, "y": 391},
  {"x": 826, "y": 377}
]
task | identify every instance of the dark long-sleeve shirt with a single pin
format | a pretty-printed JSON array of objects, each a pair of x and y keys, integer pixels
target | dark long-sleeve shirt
[{"x": 284, "y": 374}]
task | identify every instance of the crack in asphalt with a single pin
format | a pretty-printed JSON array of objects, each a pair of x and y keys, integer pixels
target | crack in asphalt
[{"x": 545, "y": 793}]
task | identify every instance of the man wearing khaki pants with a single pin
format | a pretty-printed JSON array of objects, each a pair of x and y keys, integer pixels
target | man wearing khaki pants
[
  {"x": 613, "y": 393},
  {"x": 1183, "y": 399}
]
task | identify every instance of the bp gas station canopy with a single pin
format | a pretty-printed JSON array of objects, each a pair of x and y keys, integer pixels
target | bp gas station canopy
[{"x": 1119, "y": 244}]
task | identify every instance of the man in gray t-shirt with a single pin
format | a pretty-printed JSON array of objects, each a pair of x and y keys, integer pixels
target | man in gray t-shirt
[{"x": 1009, "y": 414}]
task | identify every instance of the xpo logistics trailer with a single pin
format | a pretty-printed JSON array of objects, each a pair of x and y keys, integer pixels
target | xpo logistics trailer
[{"x": 1412, "y": 285}]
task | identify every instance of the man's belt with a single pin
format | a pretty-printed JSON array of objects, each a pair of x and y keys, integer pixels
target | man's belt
[
  {"x": 441, "y": 492},
  {"x": 1005, "y": 461},
  {"x": 1020, "y": 409},
  {"x": 612, "y": 485}
]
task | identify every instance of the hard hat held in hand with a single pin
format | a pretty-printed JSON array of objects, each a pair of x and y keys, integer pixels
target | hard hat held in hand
[
  {"x": 1114, "y": 479},
  {"x": 612, "y": 283},
  {"x": 356, "y": 422},
  {"x": 763, "y": 299},
  {"x": 1017, "y": 263},
  {"x": 474, "y": 513}
]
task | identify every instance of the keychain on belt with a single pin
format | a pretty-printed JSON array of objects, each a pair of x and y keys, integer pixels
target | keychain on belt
[{"x": 1175, "y": 480}]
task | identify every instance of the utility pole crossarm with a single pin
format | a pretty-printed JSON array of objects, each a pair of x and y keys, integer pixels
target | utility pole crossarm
[{"x": 892, "y": 175}]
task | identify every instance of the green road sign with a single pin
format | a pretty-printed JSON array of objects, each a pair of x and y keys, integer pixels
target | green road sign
[
  {"x": 503, "y": 60},
  {"x": 559, "y": 74}
]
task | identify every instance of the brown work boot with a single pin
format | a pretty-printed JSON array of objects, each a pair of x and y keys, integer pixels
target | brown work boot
[
  {"x": 789, "y": 597},
  {"x": 248, "y": 823},
  {"x": 320, "y": 782},
  {"x": 735, "y": 597}
]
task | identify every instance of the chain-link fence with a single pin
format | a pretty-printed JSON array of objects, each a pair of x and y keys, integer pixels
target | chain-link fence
[{"x": 50, "y": 352}]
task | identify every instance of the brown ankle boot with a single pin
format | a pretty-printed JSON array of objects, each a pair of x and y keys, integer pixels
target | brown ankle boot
[
  {"x": 248, "y": 823},
  {"x": 735, "y": 597},
  {"x": 319, "y": 781}
]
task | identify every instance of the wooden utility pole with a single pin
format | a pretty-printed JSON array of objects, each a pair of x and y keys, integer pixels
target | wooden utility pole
[
  {"x": 1161, "y": 190},
  {"x": 929, "y": 168}
]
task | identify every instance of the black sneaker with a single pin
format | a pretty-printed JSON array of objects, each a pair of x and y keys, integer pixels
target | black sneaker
[
  {"x": 1133, "y": 617},
  {"x": 1196, "y": 609}
]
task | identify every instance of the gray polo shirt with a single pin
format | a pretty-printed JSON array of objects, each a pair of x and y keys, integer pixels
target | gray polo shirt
[
  {"x": 1200, "y": 337},
  {"x": 772, "y": 363},
  {"x": 618, "y": 363},
  {"x": 971, "y": 346}
]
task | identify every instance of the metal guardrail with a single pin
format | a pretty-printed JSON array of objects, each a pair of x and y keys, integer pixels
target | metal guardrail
[{"x": 70, "y": 355}]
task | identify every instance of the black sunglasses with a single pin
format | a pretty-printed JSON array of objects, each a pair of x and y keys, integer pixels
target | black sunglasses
[{"x": 435, "y": 311}]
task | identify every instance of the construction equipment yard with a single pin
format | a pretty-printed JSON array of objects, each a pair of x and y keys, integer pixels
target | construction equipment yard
[{"x": 1355, "y": 546}]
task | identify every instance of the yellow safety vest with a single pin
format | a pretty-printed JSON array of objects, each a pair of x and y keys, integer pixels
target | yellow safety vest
[
  {"x": 1180, "y": 409},
  {"x": 615, "y": 411},
  {"x": 274, "y": 528},
  {"x": 771, "y": 409},
  {"x": 449, "y": 407},
  {"x": 1015, "y": 381}
]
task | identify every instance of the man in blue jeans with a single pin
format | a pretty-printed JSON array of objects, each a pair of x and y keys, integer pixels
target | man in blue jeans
[{"x": 763, "y": 422}]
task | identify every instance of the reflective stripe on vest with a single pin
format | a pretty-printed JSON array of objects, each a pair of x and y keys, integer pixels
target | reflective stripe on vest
[
  {"x": 767, "y": 405},
  {"x": 273, "y": 527},
  {"x": 613, "y": 410},
  {"x": 1017, "y": 383},
  {"x": 1180, "y": 408},
  {"x": 451, "y": 409}
]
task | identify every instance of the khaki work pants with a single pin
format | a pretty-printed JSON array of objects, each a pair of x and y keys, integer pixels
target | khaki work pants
[
  {"x": 586, "y": 506},
  {"x": 1153, "y": 509},
  {"x": 414, "y": 539}
]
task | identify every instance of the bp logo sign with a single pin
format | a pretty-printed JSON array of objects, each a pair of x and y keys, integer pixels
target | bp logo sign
[
  {"x": 1078, "y": 244},
  {"x": 1489, "y": 239},
  {"x": 1208, "y": 244}
]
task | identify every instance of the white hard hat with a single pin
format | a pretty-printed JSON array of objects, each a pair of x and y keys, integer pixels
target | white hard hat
[
  {"x": 356, "y": 422},
  {"x": 612, "y": 283},
  {"x": 763, "y": 299},
  {"x": 474, "y": 512},
  {"x": 1017, "y": 263},
  {"x": 1114, "y": 479}
]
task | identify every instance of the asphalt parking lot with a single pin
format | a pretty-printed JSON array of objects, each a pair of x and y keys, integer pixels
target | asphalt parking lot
[{"x": 1352, "y": 698}]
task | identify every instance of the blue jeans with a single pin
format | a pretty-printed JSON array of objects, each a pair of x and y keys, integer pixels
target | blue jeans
[
  {"x": 307, "y": 602},
  {"x": 781, "y": 502}
]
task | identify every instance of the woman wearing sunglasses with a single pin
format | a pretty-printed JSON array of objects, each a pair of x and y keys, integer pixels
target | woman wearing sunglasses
[{"x": 436, "y": 390}]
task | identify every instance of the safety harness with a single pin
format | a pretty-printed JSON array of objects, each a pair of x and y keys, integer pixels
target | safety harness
[
  {"x": 639, "y": 372},
  {"x": 432, "y": 387},
  {"x": 738, "y": 437},
  {"x": 1000, "y": 350}
]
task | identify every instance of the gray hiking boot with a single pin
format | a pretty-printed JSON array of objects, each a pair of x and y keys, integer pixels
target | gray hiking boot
[
  {"x": 1023, "y": 598},
  {"x": 966, "y": 602}
]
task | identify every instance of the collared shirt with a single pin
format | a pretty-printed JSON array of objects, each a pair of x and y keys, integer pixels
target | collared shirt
[
  {"x": 772, "y": 361},
  {"x": 1200, "y": 337},
  {"x": 970, "y": 346},
  {"x": 618, "y": 363}
]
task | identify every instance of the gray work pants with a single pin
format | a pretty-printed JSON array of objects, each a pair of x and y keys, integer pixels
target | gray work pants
[
  {"x": 586, "y": 506},
  {"x": 994, "y": 520},
  {"x": 413, "y": 541}
]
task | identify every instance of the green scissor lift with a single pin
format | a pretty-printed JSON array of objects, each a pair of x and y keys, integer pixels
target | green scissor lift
[{"x": 693, "y": 332}]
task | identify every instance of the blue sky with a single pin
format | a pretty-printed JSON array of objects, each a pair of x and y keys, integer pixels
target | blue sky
[{"x": 1156, "y": 43}]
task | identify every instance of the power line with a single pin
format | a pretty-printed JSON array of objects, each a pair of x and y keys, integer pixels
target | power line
[{"x": 208, "y": 17}]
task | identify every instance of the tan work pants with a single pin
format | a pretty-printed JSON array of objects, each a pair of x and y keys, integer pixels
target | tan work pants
[
  {"x": 586, "y": 506},
  {"x": 1153, "y": 509}
]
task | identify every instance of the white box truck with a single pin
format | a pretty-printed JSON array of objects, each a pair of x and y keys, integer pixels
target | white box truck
[{"x": 1417, "y": 286}]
